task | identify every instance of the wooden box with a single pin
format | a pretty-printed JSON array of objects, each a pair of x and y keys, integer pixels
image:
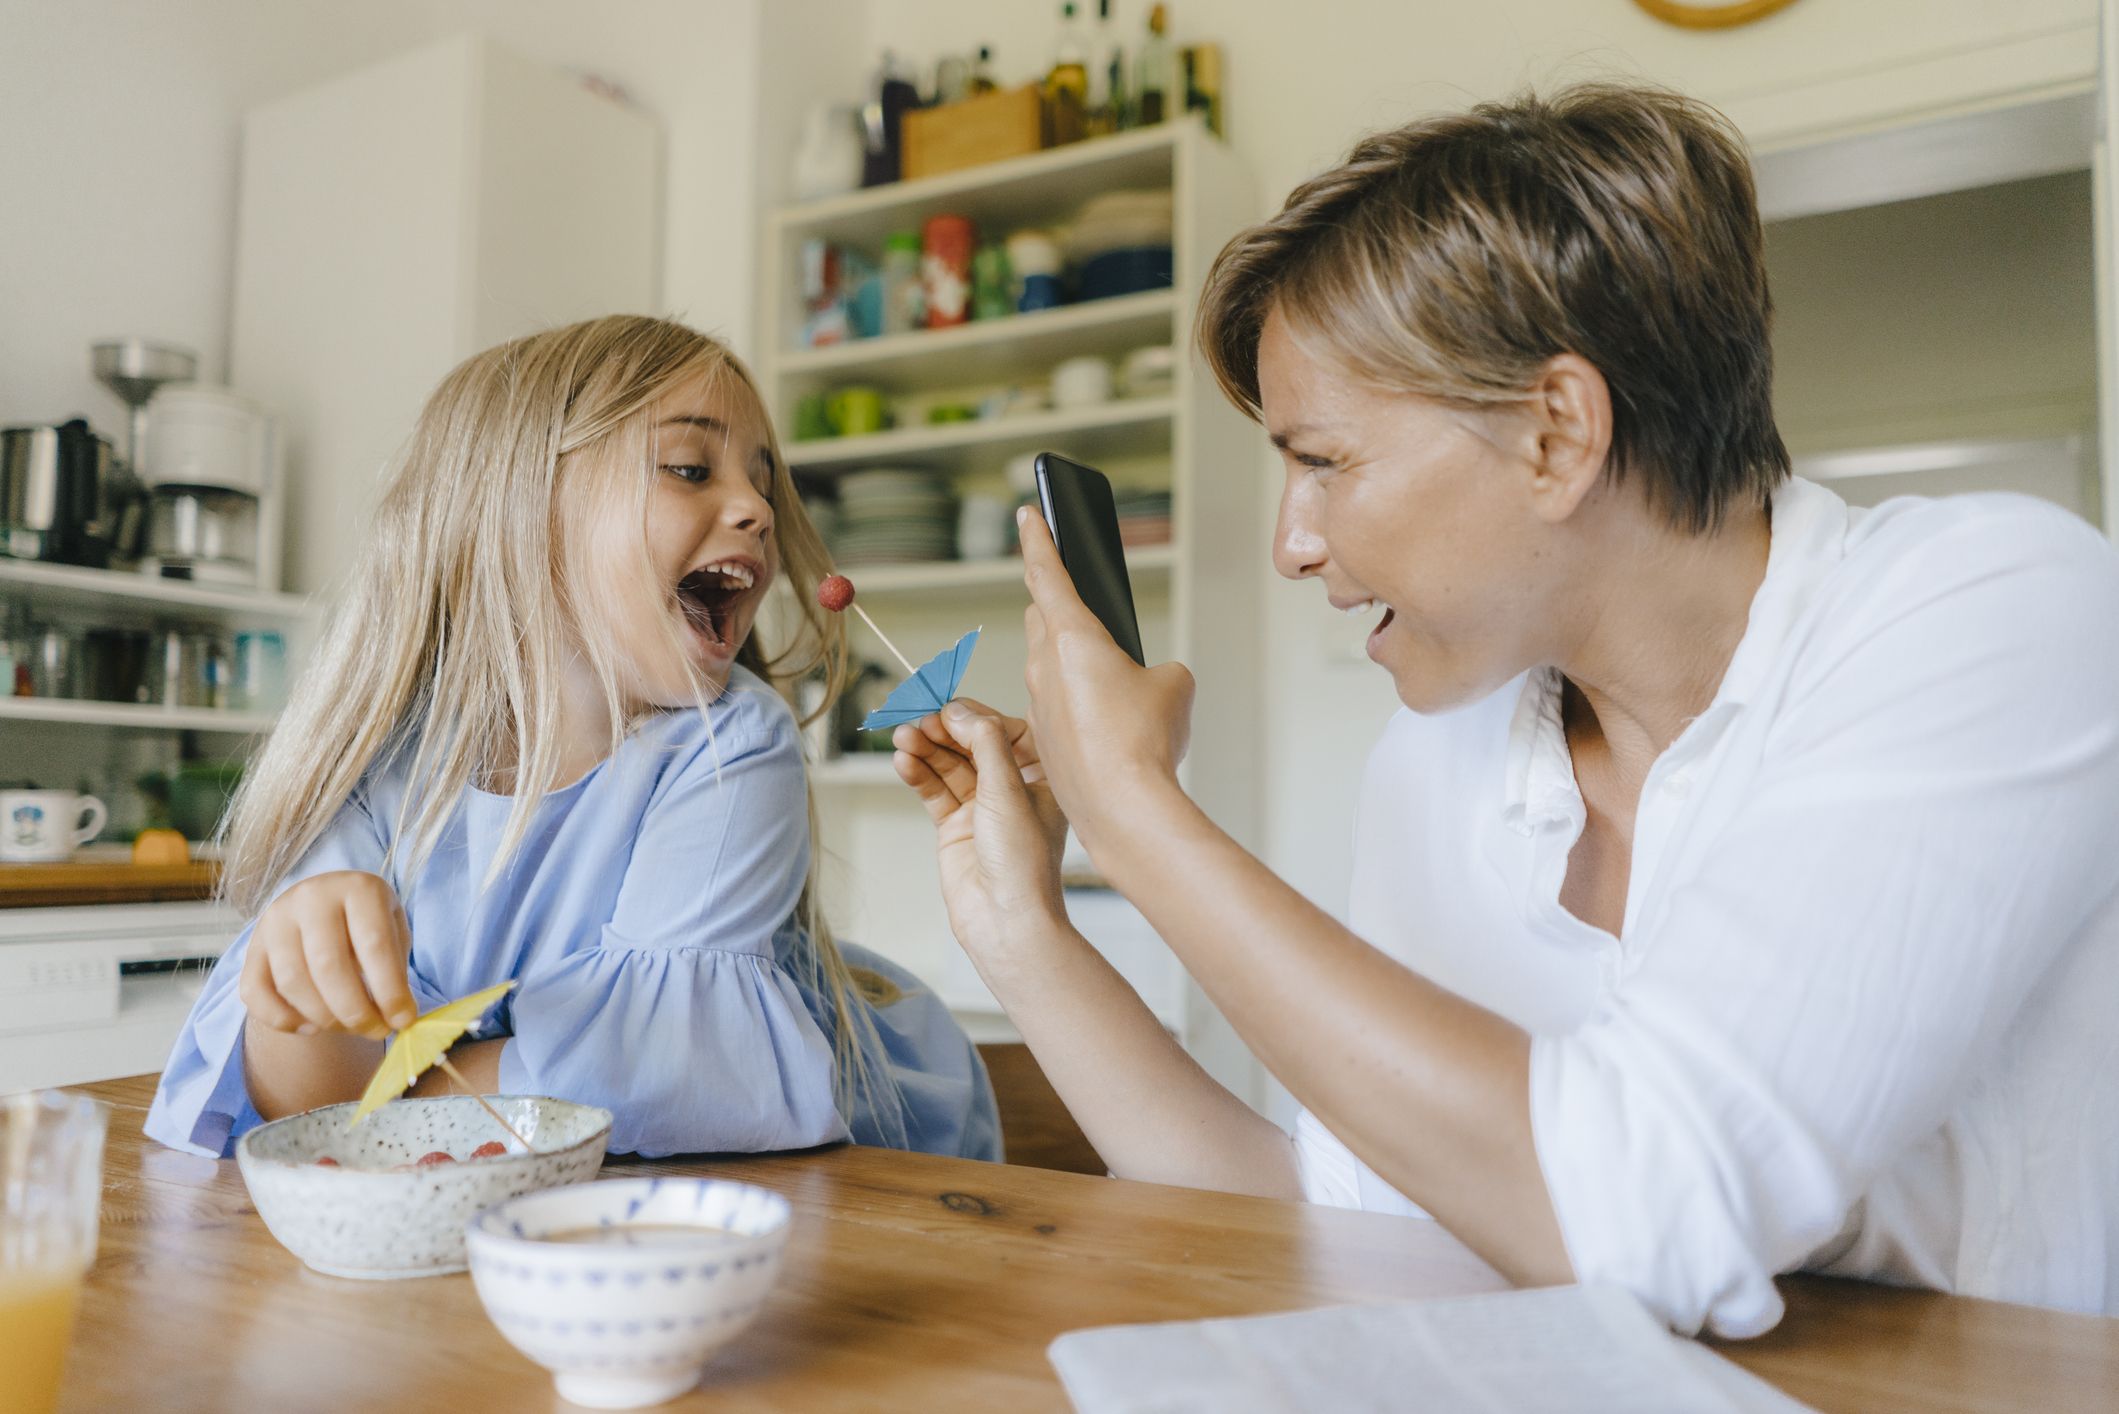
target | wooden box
[{"x": 989, "y": 128}]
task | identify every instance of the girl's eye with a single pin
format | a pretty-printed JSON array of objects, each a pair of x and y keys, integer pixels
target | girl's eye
[{"x": 690, "y": 472}]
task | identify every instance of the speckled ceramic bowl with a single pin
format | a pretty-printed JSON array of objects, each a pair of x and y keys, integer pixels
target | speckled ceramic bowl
[
  {"x": 625, "y": 1289},
  {"x": 362, "y": 1220}
]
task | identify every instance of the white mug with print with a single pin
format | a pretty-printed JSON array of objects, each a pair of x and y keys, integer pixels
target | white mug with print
[{"x": 46, "y": 826}]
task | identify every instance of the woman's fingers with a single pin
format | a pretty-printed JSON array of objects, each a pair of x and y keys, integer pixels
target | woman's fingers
[
  {"x": 1052, "y": 590},
  {"x": 260, "y": 998},
  {"x": 375, "y": 922},
  {"x": 933, "y": 790}
]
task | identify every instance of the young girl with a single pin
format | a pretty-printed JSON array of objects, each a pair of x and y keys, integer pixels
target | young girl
[{"x": 541, "y": 742}]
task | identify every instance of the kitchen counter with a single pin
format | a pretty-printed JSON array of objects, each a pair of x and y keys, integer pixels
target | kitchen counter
[{"x": 91, "y": 881}]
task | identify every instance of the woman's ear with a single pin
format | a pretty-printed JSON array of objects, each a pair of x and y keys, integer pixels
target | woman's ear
[{"x": 1570, "y": 412}]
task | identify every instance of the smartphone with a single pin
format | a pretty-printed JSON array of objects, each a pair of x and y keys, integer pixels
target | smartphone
[{"x": 1077, "y": 503}]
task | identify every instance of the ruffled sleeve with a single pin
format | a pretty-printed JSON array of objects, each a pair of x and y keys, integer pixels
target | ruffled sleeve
[
  {"x": 678, "y": 1019},
  {"x": 202, "y": 1104}
]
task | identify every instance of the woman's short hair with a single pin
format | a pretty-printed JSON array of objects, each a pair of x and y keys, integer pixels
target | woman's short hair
[{"x": 1454, "y": 256}]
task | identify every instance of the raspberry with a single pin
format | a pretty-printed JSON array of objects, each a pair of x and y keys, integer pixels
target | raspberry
[
  {"x": 327, "y": 1162},
  {"x": 491, "y": 1149},
  {"x": 835, "y": 593},
  {"x": 439, "y": 1156}
]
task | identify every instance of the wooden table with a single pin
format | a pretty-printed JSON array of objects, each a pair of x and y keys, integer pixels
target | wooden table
[{"x": 916, "y": 1283}]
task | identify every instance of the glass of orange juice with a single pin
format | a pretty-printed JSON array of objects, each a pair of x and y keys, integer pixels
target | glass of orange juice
[{"x": 51, "y": 1192}]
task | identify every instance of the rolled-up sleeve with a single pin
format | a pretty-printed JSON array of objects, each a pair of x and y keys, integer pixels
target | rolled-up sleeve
[
  {"x": 678, "y": 1019},
  {"x": 1936, "y": 819}
]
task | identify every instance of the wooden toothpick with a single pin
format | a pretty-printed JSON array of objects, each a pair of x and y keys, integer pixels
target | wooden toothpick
[
  {"x": 910, "y": 670},
  {"x": 472, "y": 1090}
]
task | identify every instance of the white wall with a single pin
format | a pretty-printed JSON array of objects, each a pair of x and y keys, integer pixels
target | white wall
[
  {"x": 118, "y": 143},
  {"x": 1302, "y": 82}
]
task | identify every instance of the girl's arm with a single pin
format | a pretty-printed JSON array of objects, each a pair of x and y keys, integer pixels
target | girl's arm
[{"x": 1149, "y": 1109}]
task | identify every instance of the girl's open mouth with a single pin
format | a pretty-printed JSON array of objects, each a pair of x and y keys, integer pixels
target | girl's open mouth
[{"x": 709, "y": 597}]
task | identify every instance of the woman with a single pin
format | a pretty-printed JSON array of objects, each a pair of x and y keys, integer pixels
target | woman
[{"x": 1737, "y": 894}]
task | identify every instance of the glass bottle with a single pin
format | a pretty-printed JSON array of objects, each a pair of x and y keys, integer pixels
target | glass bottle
[
  {"x": 1152, "y": 82},
  {"x": 982, "y": 72},
  {"x": 1107, "y": 74},
  {"x": 1068, "y": 78}
]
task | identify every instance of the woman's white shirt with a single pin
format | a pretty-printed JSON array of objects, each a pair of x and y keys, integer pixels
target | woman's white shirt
[{"x": 1863, "y": 1013}]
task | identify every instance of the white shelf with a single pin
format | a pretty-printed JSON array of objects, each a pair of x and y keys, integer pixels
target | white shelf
[
  {"x": 78, "y": 587},
  {"x": 1040, "y": 189},
  {"x": 857, "y": 770},
  {"x": 1133, "y": 427},
  {"x": 1148, "y": 565},
  {"x": 128, "y": 714},
  {"x": 991, "y": 350}
]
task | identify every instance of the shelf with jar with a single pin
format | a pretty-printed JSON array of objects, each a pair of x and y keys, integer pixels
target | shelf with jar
[{"x": 912, "y": 451}]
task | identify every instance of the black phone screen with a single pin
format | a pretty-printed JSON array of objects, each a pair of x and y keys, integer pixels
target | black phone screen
[{"x": 1077, "y": 503}]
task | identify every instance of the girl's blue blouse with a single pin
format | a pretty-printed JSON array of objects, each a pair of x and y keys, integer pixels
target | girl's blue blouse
[{"x": 648, "y": 919}]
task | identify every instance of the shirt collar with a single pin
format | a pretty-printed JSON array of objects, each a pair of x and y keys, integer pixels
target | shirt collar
[{"x": 1809, "y": 538}]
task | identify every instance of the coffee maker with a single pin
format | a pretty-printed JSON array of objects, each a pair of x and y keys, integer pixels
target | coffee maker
[{"x": 212, "y": 466}]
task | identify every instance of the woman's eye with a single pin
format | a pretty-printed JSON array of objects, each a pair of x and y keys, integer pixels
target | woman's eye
[{"x": 691, "y": 472}]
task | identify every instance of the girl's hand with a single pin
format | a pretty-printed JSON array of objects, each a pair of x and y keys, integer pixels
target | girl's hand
[
  {"x": 998, "y": 831},
  {"x": 330, "y": 954},
  {"x": 1106, "y": 727}
]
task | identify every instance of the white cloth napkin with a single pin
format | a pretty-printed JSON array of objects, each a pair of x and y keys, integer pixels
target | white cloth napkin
[{"x": 1567, "y": 1350}]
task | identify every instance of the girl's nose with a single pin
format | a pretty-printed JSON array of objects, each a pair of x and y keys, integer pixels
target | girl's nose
[
  {"x": 1298, "y": 550},
  {"x": 748, "y": 511}
]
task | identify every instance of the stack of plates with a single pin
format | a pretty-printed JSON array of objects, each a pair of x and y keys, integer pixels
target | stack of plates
[
  {"x": 1143, "y": 517},
  {"x": 895, "y": 516}
]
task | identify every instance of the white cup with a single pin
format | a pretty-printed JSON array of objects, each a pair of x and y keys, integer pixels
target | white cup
[
  {"x": 46, "y": 826},
  {"x": 1081, "y": 382}
]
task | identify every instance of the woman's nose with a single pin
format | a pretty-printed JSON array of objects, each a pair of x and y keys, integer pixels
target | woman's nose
[{"x": 1298, "y": 550}]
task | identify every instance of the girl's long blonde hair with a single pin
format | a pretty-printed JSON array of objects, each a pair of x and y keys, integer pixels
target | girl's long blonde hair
[{"x": 462, "y": 615}]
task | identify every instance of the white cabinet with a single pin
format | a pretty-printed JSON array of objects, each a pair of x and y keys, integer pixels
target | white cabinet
[{"x": 398, "y": 219}]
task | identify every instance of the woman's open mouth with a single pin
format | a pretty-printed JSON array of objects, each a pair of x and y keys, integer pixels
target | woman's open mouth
[{"x": 710, "y": 597}]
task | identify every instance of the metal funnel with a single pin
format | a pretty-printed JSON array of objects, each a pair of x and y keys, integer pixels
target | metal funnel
[{"x": 133, "y": 369}]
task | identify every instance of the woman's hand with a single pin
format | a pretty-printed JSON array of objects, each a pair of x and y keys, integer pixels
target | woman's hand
[
  {"x": 1106, "y": 727},
  {"x": 998, "y": 831},
  {"x": 330, "y": 954}
]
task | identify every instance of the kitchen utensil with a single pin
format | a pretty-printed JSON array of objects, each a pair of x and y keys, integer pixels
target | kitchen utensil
[
  {"x": 260, "y": 683},
  {"x": 625, "y": 1288},
  {"x": 1148, "y": 372},
  {"x": 199, "y": 793},
  {"x": 51, "y": 1197},
  {"x": 357, "y": 1218},
  {"x": 63, "y": 496},
  {"x": 1081, "y": 382},
  {"x": 47, "y": 826},
  {"x": 982, "y": 527},
  {"x": 185, "y": 678},
  {"x": 134, "y": 369},
  {"x": 828, "y": 161},
  {"x": 856, "y": 412},
  {"x": 114, "y": 665},
  {"x": 54, "y": 663},
  {"x": 213, "y": 473}
]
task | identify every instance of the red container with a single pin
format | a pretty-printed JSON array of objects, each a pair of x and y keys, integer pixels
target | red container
[{"x": 946, "y": 246}]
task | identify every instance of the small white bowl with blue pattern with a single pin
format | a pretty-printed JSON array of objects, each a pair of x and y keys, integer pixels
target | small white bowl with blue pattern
[
  {"x": 624, "y": 1289},
  {"x": 362, "y": 1219}
]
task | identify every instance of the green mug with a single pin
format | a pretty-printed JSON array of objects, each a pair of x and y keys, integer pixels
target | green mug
[{"x": 856, "y": 412}]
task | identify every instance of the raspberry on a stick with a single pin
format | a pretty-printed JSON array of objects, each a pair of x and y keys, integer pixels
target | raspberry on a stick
[{"x": 835, "y": 592}]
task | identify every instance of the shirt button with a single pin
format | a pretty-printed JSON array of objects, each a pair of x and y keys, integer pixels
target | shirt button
[{"x": 1679, "y": 784}]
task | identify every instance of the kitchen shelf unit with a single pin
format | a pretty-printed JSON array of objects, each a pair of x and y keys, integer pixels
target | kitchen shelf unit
[{"x": 1198, "y": 596}]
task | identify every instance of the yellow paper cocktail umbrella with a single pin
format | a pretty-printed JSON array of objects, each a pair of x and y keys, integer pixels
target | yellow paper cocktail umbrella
[{"x": 426, "y": 1043}]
